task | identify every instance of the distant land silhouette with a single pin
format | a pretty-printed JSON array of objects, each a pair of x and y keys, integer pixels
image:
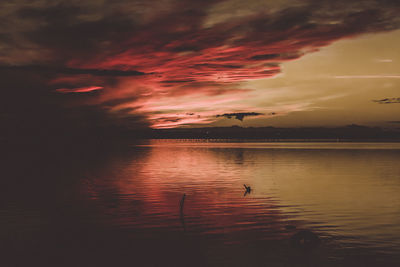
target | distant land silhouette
[
  {"x": 95, "y": 137},
  {"x": 350, "y": 132}
]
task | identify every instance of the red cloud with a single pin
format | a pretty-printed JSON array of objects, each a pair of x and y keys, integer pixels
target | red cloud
[
  {"x": 79, "y": 89},
  {"x": 146, "y": 63}
]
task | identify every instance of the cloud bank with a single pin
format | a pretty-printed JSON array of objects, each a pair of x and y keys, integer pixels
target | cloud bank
[{"x": 159, "y": 61}]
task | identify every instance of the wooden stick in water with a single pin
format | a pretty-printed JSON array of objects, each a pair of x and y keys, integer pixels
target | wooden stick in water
[{"x": 182, "y": 203}]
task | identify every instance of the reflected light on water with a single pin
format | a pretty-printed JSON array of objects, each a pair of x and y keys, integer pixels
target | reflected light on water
[
  {"x": 349, "y": 190},
  {"x": 124, "y": 207}
]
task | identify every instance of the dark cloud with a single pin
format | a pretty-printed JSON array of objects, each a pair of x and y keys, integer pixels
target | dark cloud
[
  {"x": 239, "y": 115},
  {"x": 71, "y": 71},
  {"x": 393, "y": 100},
  {"x": 33, "y": 110},
  {"x": 139, "y": 51},
  {"x": 265, "y": 57}
]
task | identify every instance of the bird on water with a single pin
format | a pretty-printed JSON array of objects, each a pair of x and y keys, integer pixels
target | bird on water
[{"x": 248, "y": 188}]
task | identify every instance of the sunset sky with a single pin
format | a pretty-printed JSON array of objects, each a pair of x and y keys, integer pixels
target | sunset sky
[{"x": 167, "y": 63}]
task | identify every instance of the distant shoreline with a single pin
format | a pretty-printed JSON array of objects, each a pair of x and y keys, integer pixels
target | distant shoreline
[
  {"x": 252, "y": 140},
  {"x": 112, "y": 136},
  {"x": 350, "y": 133}
]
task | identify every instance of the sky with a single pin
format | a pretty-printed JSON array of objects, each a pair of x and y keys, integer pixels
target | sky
[{"x": 167, "y": 63}]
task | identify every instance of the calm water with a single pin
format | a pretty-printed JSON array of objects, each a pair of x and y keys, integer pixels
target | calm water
[{"x": 122, "y": 208}]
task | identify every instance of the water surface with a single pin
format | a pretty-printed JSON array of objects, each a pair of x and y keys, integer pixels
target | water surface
[{"x": 122, "y": 208}]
